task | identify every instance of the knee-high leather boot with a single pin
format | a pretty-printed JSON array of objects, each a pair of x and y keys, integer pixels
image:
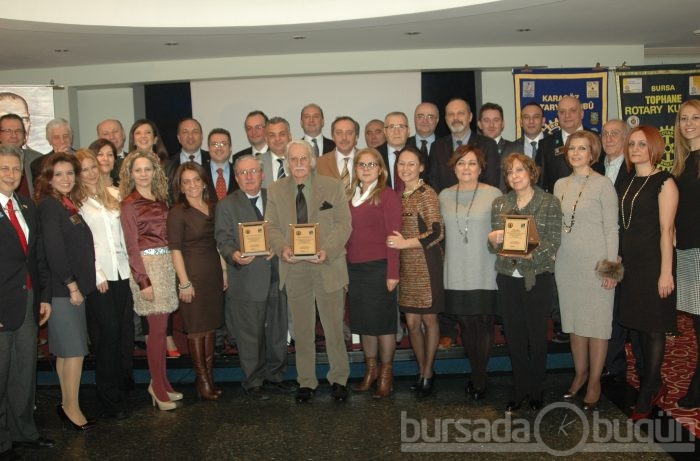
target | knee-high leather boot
[
  {"x": 209, "y": 349},
  {"x": 197, "y": 353}
]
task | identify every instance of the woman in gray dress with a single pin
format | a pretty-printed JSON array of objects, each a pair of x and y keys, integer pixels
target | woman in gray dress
[
  {"x": 470, "y": 284},
  {"x": 587, "y": 270},
  {"x": 70, "y": 253}
]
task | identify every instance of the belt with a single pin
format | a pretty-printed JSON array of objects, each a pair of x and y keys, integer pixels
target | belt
[{"x": 156, "y": 251}]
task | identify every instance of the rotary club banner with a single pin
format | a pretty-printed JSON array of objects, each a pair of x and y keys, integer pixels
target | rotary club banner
[
  {"x": 652, "y": 95},
  {"x": 547, "y": 86}
]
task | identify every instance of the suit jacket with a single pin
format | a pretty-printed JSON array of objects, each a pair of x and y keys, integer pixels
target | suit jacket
[
  {"x": 327, "y": 166},
  {"x": 442, "y": 176},
  {"x": 30, "y": 156},
  {"x": 622, "y": 175},
  {"x": 328, "y": 206},
  {"x": 411, "y": 141},
  {"x": 172, "y": 166},
  {"x": 270, "y": 169},
  {"x": 211, "y": 178},
  {"x": 14, "y": 266},
  {"x": 551, "y": 159},
  {"x": 384, "y": 150},
  {"x": 70, "y": 251},
  {"x": 245, "y": 282},
  {"x": 328, "y": 145}
]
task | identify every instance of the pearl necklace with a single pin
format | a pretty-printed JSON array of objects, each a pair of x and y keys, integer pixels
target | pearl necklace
[
  {"x": 568, "y": 227},
  {"x": 626, "y": 225}
]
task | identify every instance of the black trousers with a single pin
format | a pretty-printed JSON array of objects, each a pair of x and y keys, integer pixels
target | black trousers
[
  {"x": 108, "y": 311},
  {"x": 525, "y": 316}
]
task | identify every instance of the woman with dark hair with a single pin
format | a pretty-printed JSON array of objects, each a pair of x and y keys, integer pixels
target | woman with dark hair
[
  {"x": 144, "y": 213},
  {"x": 648, "y": 203},
  {"x": 70, "y": 253},
  {"x": 200, "y": 270},
  {"x": 470, "y": 285},
  {"x": 686, "y": 169},
  {"x": 421, "y": 296},
  {"x": 373, "y": 269},
  {"x": 106, "y": 153},
  {"x": 526, "y": 282},
  {"x": 112, "y": 300},
  {"x": 587, "y": 270},
  {"x": 144, "y": 136}
]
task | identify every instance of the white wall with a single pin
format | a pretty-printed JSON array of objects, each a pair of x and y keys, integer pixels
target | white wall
[
  {"x": 496, "y": 62},
  {"x": 99, "y": 104}
]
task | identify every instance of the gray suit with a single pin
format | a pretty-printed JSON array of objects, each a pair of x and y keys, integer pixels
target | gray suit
[
  {"x": 305, "y": 282},
  {"x": 256, "y": 309},
  {"x": 269, "y": 169}
]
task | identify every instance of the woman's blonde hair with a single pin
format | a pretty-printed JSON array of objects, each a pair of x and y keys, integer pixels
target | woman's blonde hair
[
  {"x": 159, "y": 185},
  {"x": 103, "y": 196},
  {"x": 375, "y": 197},
  {"x": 682, "y": 146}
]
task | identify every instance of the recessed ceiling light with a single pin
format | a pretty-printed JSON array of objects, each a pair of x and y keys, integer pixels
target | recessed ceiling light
[
  {"x": 523, "y": 30},
  {"x": 61, "y": 50},
  {"x": 299, "y": 37},
  {"x": 412, "y": 33},
  {"x": 172, "y": 43}
]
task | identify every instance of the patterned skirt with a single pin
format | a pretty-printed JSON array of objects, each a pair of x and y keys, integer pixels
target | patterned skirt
[
  {"x": 161, "y": 271},
  {"x": 688, "y": 280}
]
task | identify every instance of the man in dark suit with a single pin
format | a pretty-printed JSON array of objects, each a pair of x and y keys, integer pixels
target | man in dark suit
[
  {"x": 550, "y": 152},
  {"x": 13, "y": 134},
  {"x": 425, "y": 117},
  {"x": 60, "y": 135},
  {"x": 24, "y": 280},
  {"x": 532, "y": 124},
  {"x": 374, "y": 133},
  {"x": 307, "y": 197},
  {"x": 254, "y": 125},
  {"x": 190, "y": 137},
  {"x": 458, "y": 115},
  {"x": 278, "y": 135},
  {"x": 219, "y": 168},
  {"x": 312, "y": 122},
  {"x": 396, "y": 131},
  {"x": 613, "y": 164},
  {"x": 491, "y": 124},
  {"x": 256, "y": 308}
]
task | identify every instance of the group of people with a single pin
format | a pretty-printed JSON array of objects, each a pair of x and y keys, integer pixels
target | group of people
[{"x": 408, "y": 224}]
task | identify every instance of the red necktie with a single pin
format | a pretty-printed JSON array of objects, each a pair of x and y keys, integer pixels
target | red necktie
[
  {"x": 220, "y": 184},
  {"x": 20, "y": 234}
]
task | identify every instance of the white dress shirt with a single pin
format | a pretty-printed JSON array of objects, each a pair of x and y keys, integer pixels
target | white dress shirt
[{"x": 111, "y": 261}]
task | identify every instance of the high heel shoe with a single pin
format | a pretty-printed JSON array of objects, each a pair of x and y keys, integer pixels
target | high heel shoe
[
  {"x": 163, "y": 406},
  {"x": 570, "y": 395},
  {"x": 655, "y": 401},
  {"x": 426, "y": 387},
  {"x": 590, "y": 406},
  {"x": 173, "y": 353},
  {"x": 416, "y": 385},
  {"x": 173, "y": 396},
  {"x": 68, "y": 424}
]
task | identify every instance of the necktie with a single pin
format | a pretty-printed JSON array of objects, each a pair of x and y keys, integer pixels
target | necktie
[
  {"x": 399, "y": 185},
  {"x": 534, "y": 148},
  {"x": 220, "y": 184},
  {"x": 345, "y": 176},
  {"x": 313, "y": 140},
  {"x": 302, "y": 212},
  {"x": 459, "y": 143},
  {"x": 280, "y": 169},
  {"x": 254, "y": 201},
  {"x": 424, "y": 148},
  {"x": 20, "y": 233},
  {"x": 191, "y": 158}
]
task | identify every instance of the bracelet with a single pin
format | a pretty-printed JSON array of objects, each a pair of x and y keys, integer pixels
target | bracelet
[{"x": 184, "y": 286}]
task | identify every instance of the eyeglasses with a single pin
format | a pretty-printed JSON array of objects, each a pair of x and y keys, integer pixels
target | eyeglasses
[
  {"x": 9, "y": 131},
  {"x": 396, "y": 126},
  {"x": 252, "y": 171},
  {"x": 368, "y": 165},
  {"x": 219, "y": 144},
  {"x": 426, "y": 116}
]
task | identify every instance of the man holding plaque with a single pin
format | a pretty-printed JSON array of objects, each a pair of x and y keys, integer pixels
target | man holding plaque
[
  {"x": 256, "y": 309},
  {"x": 309, "y": 224}
]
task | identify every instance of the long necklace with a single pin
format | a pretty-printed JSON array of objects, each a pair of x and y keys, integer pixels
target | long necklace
[
  {"x": 626, "y": 225},
  {"x": 568, "y": 227},
  {"x": 469, "y": 209}
]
